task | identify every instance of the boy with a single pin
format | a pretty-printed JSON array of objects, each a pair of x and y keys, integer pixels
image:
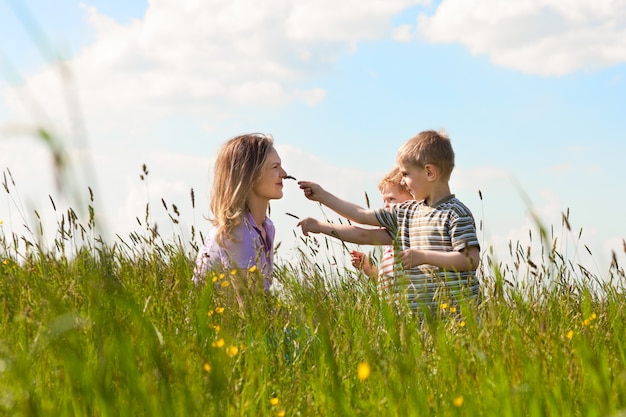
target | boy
[
  {"x": 393, "y": 192},
  {"x": 437, "y": 245}
]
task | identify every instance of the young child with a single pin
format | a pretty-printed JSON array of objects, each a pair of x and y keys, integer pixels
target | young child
[
  {"x": 435, "y": 233},
  {"x": 393, "y": 192}
]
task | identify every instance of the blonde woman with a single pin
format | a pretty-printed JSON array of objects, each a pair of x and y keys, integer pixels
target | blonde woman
[{"x": 248, "y": 174}]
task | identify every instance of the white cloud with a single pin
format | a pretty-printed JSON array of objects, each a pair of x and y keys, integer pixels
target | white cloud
[
  {"x": 203, "y": 57},
  {"x": 347, "y": 21},
  {"x": 403, "y": 33},
  {"x": 479, "y": 178},
  {"x": 544, "y": 37}
]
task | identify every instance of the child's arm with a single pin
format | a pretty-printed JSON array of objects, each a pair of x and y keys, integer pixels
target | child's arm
[
  {"x": 346, "y": 232},
  {"x": 356, "y": 213},
  {"x": 451, "y": 261}
]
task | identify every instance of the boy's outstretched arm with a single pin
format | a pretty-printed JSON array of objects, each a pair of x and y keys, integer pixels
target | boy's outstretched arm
[
  {"x": 451, "y": 261},
  {"x": 315, "y": 192},
  {"x": 352, "y": 234}
]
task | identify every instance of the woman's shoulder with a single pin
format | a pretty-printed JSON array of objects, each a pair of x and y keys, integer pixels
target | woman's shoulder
[{"x": 210, "y": 243}]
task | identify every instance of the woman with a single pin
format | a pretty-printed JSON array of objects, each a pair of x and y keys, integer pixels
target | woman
[{"x": 248, "y": 174}]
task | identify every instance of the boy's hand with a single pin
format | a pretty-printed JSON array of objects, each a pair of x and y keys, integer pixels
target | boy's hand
[
  {"x": 309, "y": 225},
  {"x": 312, "y": 190},
  {"x": 411, "y": 258}
]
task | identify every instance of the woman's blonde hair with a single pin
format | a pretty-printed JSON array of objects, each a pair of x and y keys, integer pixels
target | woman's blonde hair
[{"x": 237, "y": 167}]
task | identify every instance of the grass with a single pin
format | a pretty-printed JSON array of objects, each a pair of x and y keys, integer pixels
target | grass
[{"x": 93, "y": 329}]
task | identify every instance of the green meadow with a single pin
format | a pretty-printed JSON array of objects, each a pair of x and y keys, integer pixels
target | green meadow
[{"x": 89, "y": 328}]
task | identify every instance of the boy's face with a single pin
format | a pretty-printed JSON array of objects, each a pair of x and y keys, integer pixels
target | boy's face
[
  {"x": 415, "y": 180},
  {"x": 394, "y": 194}
]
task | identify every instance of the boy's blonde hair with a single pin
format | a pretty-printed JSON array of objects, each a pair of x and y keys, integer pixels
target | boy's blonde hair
[
  {"x": 393, "y": 177},
  {"x": 429, "y": 147},
  {"x": 237, "y": 168}
]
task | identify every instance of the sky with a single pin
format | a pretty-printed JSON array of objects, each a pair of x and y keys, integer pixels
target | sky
[{"x": 532, "y": 94}]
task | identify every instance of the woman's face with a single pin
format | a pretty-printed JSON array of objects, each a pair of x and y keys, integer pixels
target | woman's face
[{"x": 269, "y": 185}]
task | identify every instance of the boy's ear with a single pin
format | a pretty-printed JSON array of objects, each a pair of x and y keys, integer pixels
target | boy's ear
[{"x": 431, "y": 172}]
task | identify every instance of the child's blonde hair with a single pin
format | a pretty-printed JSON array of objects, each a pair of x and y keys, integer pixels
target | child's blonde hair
[
  {"x": 237, "y": 168},
  {"x": 393, "y": 177},
  {"x": 429, "y": 147}
]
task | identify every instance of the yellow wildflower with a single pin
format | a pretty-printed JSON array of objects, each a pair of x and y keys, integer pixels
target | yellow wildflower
[
  {"x": 281, "y": 413},
  {"x": 225, "y": 284},
  {"x": 443, "y": 306},
  {"x": 461, "y": 324},
  {"x": 452, "y": 309},
  {"x": 233, "y": 272},
  {"x": 593, "y": 316},
  {"x": 210, "y": 313},
  {"x": 252, "y": 268},
  {"x": 274, "y": 400},
  {"x": 207, "y": 367},
  {"x": 458, "y": 401},
  {"x": 363, "y": 371},
  {"x": 219, "y": 310},
  {"x": 218, "y": 343},
  {"x": 232, "y": 350},
  {"x": 570, "y": 334}
]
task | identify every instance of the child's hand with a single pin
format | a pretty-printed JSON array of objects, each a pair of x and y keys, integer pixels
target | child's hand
[
  {"x": 357, "y": 259},
  {"x": 361, "y": 262},
  {"x": 411, "y": 258},
  {"x": 309, "y": 225},
  {"x": 312, "y": 190}
]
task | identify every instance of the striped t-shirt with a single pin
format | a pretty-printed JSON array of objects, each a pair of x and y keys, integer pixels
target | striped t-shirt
[
  {"x": 385, "y": 271},
  {"x": 447, "y": 226}
]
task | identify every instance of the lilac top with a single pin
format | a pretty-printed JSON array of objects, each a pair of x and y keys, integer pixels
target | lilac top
[{"x": 246, "y": 249}]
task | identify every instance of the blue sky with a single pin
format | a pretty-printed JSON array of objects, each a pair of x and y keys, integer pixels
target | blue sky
[{"x": 532, "y": 94}]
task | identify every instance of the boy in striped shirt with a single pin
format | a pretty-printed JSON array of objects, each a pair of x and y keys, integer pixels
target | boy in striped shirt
[{"x": 437, "y": 248}]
